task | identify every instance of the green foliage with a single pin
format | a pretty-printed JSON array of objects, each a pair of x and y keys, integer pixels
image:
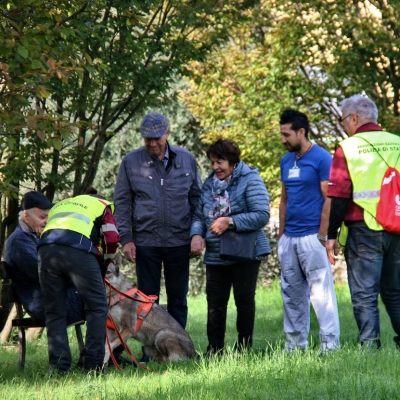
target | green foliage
[
  {"x": 234, "y": 95},
  {"x": 353, "y": 45},
  {"x": 73, "y": 74},
  {"x": 306, "y": 55}
]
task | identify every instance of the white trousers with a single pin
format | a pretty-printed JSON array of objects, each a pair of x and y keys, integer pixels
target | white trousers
[{"x": 306, "y": 275}]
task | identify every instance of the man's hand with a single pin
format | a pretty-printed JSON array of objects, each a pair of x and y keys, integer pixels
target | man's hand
[
  {"x": 332, "y": 249},
  {"x": 129, "y": 250},
  {"x": 196, "y": 246}
]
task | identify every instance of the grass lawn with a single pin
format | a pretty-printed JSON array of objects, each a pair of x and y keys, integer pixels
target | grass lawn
[{"x": 264, "y": 373}]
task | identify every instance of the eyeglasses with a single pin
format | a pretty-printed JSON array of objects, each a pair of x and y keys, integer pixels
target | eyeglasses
[{"x": 341, "y": 120}]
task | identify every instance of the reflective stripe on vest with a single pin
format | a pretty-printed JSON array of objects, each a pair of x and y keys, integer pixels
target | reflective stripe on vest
[
  {"x": 367, "y": 168},
  {"x": 82, "y": 217},
  {"x": 76, "y": 214},
  {"x": 109, "y": 228},
  {"x": 366, "y": 194}
]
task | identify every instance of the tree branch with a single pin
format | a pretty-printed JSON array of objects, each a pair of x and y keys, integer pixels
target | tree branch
[{"x": 71, "y": 17}]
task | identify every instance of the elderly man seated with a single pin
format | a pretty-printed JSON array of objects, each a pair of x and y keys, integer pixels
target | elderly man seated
[{"x": 22, "y": 259}]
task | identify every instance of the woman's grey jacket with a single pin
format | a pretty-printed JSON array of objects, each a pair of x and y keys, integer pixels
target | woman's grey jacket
[{"x": 249, "y": 202}]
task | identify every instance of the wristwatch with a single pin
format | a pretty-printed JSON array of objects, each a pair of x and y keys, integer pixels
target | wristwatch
[{"x": 231, "y": 223}]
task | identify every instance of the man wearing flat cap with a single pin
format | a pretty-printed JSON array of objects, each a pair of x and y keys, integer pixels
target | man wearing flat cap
[
  {"x": 22, "y": 259},
  {"x": 155, "y": 197}
]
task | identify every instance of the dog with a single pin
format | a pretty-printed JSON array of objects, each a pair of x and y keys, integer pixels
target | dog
[{"x": 162, "y": 337}]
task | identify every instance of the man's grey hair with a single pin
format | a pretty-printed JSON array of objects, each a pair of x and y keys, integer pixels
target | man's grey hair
[
  {"x": 362, "y": 106},
  {"x": 21, "y": 213}
]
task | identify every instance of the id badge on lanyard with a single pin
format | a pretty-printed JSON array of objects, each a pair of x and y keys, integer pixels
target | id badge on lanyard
[{"x": 294, "y": 172}]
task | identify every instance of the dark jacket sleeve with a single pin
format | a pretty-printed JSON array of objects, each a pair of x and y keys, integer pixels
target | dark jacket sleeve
[
  {"x": 198, "y": 226},
  {"x": 123, "y": 203},
  {"x": 338, "y": 212},
  {"x": 195, "y": 190},
  {"x": 24, "y": 256}
]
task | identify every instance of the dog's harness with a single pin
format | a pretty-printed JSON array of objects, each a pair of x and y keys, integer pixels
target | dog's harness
[{"x": 135, "y": 295}]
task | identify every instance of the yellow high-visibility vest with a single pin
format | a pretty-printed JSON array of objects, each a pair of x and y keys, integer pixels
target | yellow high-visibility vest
[
  {"x": 77, "y": 214},
  {"x": 367, "y": 168}
]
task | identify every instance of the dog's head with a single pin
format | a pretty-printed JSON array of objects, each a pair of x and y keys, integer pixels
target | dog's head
[{"x": 115, "y": 276}]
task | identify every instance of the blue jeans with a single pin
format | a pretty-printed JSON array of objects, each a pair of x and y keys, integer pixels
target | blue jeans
[
  {"x": 149, "y": 262},
  {"x": 373, "y": 267}
]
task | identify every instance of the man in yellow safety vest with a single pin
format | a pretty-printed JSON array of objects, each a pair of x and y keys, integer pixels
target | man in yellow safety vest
[
  {"x": 79, "y": 236},
  {"x": 371, "y": 253}
]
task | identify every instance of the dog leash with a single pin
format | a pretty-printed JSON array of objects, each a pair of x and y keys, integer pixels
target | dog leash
[
  {"x": 124, "y": 344},
  {"x": 135, "y": 295}
]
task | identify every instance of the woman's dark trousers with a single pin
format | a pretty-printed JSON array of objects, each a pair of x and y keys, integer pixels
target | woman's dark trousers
[{"x": 242, "y": 276}]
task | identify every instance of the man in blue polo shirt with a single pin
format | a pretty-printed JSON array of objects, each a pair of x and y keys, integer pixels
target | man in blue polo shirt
[{"x": 303, "y": 222}]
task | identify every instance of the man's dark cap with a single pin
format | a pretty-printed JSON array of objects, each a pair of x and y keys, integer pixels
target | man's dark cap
[{"x": 35, "y": 199}]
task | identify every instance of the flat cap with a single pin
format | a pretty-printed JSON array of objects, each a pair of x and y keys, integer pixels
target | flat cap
[
  {"x": 154, "y": 125},
  {"x": 34, "y": 199}
]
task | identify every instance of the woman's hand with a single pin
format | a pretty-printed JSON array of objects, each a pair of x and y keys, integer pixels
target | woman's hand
[
  {"x": 196, "y": 246},
  {"x": 219, "y": 226}
]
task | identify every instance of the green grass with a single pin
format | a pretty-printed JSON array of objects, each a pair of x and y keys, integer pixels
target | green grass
[{"x": 264, "y": 373}]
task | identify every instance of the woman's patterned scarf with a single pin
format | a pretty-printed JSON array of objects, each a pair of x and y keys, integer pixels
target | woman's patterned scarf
[{"x": 221, "y": 206}]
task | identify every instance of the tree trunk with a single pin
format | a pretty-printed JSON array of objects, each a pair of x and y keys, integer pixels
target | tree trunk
[{"x": 10, "y": 220}]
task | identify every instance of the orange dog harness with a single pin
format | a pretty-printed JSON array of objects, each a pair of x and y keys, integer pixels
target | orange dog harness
[
  {"x": 135, "y": 295},
  {"x": 144, "y": 309}
]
